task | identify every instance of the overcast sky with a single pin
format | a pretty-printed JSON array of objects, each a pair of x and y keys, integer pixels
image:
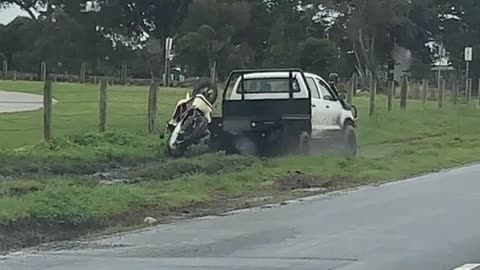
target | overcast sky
[{"x": 8, "y": 14}]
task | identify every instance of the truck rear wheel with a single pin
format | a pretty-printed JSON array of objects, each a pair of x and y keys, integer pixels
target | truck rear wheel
[
  {"x": 350, "y": 147},
  {"x": 304, "y": 143}
]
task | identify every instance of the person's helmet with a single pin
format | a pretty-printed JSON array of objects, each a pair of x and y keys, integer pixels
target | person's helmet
[{"x": 333, "y": 78}]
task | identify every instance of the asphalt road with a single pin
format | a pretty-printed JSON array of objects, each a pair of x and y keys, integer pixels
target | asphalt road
[{"x": 431, "y": 222}]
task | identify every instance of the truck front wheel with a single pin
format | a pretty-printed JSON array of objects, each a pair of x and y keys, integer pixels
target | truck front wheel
[
  {"x": 304, "y": 143},
  {"x": 350, "y": 147}
]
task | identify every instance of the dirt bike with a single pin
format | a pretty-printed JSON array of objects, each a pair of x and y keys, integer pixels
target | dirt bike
[{"x": 190, "y": 119}]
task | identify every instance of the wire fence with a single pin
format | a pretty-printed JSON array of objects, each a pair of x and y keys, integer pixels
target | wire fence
[
  {"x": 119, "y": 76},
  {"x": 79, "y": 111}
]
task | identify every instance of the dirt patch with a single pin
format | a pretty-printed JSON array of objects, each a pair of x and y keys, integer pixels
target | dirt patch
[
  {"x": 298, "y": 180},
  {"x": 30, "y": 232}
]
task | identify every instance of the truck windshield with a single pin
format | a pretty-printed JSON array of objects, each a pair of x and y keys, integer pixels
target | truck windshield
[{"x": 268, "y": 85}]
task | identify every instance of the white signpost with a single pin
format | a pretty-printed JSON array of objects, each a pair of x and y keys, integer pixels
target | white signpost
[
  {"x": 468, "y": 59},
  {"x": 441, "y": 53},
  {"x": 168, "y": 49}
]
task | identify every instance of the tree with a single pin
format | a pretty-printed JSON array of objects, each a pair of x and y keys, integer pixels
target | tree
[
  {"x": 369, "y": 25},
  {"x": 318, "y": 55},
  {"x": 135, "y": 19},
  {"x": 15, "y": 47},
  {"x": 190, "y": 52},
  {"x": 459, "y": 26},
  {"x": 60, "y": 42},
  {"x": 317, "y": 35},
  {"x": 212, "y": 29},
  {"x": 288, "y": 29}
]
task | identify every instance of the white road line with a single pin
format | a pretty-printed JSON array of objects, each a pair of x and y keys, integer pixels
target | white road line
[{"x": 468, "y": 266}]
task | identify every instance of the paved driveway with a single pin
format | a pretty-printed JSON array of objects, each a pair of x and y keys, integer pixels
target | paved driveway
[{"x": 19, "y": 102}]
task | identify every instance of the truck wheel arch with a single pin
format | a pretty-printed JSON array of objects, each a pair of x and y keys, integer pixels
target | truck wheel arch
[{"x": 348, "y": 122}]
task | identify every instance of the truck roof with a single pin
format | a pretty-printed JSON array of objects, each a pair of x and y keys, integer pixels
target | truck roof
[{"x": 277, "y": 74}]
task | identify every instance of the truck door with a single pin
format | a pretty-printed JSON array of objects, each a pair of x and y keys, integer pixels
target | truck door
[
  {"x": 319, "y": 112},
  {"x": 332, "y": 107}
]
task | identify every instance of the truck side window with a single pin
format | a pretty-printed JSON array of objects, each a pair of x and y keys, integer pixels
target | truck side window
[
  {"x": 313, "y": 87},
  {"x": 324, "y": 90}
]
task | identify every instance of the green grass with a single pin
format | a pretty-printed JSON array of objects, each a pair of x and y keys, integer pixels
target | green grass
[
  {"x": 77, "y": 111},
  {"x": 393, "y": 145}
]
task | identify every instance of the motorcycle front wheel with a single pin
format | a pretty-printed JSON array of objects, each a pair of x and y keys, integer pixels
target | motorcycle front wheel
[{"x": 174, "y": 149}]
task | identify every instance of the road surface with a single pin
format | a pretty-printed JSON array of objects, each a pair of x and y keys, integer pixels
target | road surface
[{"x": 430, "y": 222}]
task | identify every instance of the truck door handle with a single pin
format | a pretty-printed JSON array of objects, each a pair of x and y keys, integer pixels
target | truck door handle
[
  {"x": 314, "y": 106},
  {"x": 328, "y": 107}
]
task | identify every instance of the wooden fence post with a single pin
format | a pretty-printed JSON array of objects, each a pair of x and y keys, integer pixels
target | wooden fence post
[
  {"x": 455, "y": 91},
  {"x": 432, "y": 91},
  {"x": 351, "y": 91},
  {"x": 43, "y": 71},
  {"x": 213, "y": 73},
  {"x": 441, "y": 94},
  {"x": 14, "y": 75},
  {"x": 416, "y": 92},
  {"x": 478, "y": 94},
  {"x": 394, "y": 94},
  {"x": 47, "y": 110},
  {"x": 425, "y": 91},
  {"x": 152, "y": 107},
  {"x": 373, "y": 92},
  {"x": 390, "y": 96},
  {"x": 83, "y": 72},
  {"x": 102, "y": 112},
  {"x": 403, "y": 93},
  {"x": 5, "y": 69},
  {"x": 355, "y": 83},
  {"x": 123, "y": 74}
]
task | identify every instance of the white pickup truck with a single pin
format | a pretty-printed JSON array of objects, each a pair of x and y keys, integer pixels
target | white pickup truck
[{"x": 283, "y": 109}]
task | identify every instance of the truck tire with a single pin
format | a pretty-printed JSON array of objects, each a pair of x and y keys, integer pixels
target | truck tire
[
  {"x": 245, "y": 146},
  {"x": 350, "y": 147},
  {"x": 304, "y": 143}
]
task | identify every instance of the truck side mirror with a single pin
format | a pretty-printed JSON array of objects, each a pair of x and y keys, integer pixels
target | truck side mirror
[{"x": 342, "y": 96}]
